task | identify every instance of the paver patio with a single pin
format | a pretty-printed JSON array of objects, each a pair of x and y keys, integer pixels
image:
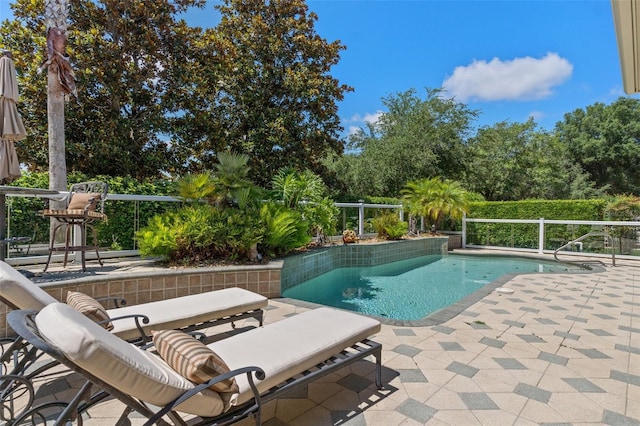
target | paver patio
[{"x": 562, "y": 349}]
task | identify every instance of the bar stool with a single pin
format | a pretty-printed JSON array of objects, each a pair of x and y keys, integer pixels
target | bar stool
[{"x": 84, "y": 207}]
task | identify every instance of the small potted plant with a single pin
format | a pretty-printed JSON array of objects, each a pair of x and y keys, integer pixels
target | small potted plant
[{"x": 349, "y": 236}]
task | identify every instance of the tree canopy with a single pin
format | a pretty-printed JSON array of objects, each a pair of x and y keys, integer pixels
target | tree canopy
[
  {"x": 156, "y": 95},
  {"x": 414, "y": 139},
  {"x": 517, "y": 161},
  {"x": 605, "y": 141}
]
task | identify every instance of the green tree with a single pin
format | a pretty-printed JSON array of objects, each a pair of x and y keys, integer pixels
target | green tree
[
  {"x": 603, "y": 139},
  {"x": 436, "y": 199},
  {"x": 623, "y": 208},
  {"x": 135, "y": 63},
  {"x": 414, "y": 139},
  {"x": 516, "y": 161},
  {"x": 274, "y": 96}
]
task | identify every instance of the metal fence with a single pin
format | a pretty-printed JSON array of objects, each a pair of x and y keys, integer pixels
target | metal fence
[
  {"x": 539, "y": 235},
  {"x": 131, "y": 212},
  {"x": 596, "y": 238}
]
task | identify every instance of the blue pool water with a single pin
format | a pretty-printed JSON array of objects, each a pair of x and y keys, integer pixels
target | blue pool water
[{"x": 412, "y": 289}]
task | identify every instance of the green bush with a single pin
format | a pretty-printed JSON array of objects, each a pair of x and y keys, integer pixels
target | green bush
[
  {"x": 526, "y": 235},
  {"x": 390, "y": 227},
  {"x": 284, "y": 229},
  {"x": 123, "y": 218},
  {"x": 199, "y": 233}
]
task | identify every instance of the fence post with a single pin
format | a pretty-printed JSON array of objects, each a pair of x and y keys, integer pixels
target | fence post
[
  {"x": 361, "y": 219},
  {"x": 541, "y": 236},
  {"x": 464, "y": 230}
]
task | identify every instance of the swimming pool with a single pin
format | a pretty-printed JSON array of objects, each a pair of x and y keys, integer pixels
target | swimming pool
[{"x": 412, "y": 289}]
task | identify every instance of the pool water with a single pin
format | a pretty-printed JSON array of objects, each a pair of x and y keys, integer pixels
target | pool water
[{"x": 412, "y": 289}]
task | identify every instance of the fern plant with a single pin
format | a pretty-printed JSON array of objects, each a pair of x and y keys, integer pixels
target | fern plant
[
  {"x": 285, "y": 229},
  {"x": 390, "y": 227}
]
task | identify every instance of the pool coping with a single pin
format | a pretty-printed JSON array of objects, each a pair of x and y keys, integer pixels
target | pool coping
[{"x": 445, "y": 314}]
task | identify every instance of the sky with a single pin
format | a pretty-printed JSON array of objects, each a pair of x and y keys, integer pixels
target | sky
[{"x": 508, "y": 60}]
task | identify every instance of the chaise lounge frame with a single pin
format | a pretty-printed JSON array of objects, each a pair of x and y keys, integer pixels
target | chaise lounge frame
[
  {"x": 19, "y": 361},
  {"x": 24, "y": 324}
]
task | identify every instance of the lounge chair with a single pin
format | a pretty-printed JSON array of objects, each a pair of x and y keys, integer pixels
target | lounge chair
[
  {"x": 189, "y": 313},
  {"x": 21, "y": 362},
  {"x": 266, "y": 362}
]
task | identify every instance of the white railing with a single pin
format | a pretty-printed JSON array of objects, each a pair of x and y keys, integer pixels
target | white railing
[
  {"x": 361, "y": 206},
  {"x": 543, "y": 245},
  {"x": 136, "y": 199}
]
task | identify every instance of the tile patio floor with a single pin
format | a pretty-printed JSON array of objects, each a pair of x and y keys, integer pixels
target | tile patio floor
[{"x": 562, "y": 349}]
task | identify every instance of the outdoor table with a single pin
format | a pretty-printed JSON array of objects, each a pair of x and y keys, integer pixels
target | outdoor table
[{"x": 16, "y": 190}]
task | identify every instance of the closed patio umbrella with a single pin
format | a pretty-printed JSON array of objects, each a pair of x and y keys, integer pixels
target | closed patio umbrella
[{"x": 11, "y": 127}]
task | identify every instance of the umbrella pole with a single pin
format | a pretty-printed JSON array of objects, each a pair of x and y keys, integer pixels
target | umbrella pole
[{"x": 3, "y": 225}]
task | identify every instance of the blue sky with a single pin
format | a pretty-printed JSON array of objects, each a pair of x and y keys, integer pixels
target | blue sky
[{"x": 508, "y": 59}]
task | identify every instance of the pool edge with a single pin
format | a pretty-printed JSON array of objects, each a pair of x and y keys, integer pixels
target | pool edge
[{"x": 445, "y": 314}]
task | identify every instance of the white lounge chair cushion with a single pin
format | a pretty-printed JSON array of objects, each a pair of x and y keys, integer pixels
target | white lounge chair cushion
[
  {"x": 192, "y": 359},
  {"x": 186, "y": 310},
  {"x": 133, "y": 371},
  {"x": 289, "y": 347},
  {"x": 20, "y": 291}
]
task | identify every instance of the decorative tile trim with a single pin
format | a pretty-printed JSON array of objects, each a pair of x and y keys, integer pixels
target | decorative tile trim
[{"x": 305, "y": 266}]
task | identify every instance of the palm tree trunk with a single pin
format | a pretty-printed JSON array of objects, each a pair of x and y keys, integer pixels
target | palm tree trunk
[
  {"x": 58, "y": 75},
  {"x": 55, "y": 115}
]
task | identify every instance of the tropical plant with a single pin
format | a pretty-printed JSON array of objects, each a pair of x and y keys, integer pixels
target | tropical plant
[
  {"x": 306, "y": 193},
  {"x": 194, "y": 187},
  {"x": 232, "y": 185},
  {"x": 226, "y": 186},
  {"x": 390, "y": 227},
  {"x": 200, "y": 233},
  {"x": 284, "y": 229},
  {"x": 436, "y": 199}
]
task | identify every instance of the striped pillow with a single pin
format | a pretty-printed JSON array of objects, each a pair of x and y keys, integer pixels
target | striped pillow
[
  {"x": 192, "y": 359},
  {"x": 89, "y": 307},
  {"x": 83, "y": 200}
]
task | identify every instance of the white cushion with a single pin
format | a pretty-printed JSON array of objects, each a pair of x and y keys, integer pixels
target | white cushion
[
  {"x": 289, "y": 347},
  {"x": 186, "y": 310},
  {"x": 131, "y": 370},
  {"x": 20, "y": 291}
]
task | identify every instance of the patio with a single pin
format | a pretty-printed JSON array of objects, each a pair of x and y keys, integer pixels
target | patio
[{"x": 562, "y": 349}]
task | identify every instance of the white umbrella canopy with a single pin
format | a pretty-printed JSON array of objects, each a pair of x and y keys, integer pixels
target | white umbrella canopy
[{"x": 11, "y": 127}]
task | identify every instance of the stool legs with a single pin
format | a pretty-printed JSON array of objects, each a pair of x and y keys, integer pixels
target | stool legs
[{"x": 68, "y": 246}]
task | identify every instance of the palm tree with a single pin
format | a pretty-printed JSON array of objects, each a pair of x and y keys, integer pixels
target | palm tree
[
  {"x": 226, "y": 186},
  {"x": 436, "y": 199}
]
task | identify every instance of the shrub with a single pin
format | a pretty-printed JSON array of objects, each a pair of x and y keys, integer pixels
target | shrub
[
  {"x": 390, "y": 227},
  {"x": 200, "y": 233},
  {"x": 284, "y": 229}
]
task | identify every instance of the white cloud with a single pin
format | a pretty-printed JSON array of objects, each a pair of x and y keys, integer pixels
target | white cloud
[
  {"x": 357, "y": 121},
  {"x": 518, "y": 79},
  {"x": 352, "y": 130},
  {"x": 372, "y": 117},
  {"x": 537, "y": 115}
]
